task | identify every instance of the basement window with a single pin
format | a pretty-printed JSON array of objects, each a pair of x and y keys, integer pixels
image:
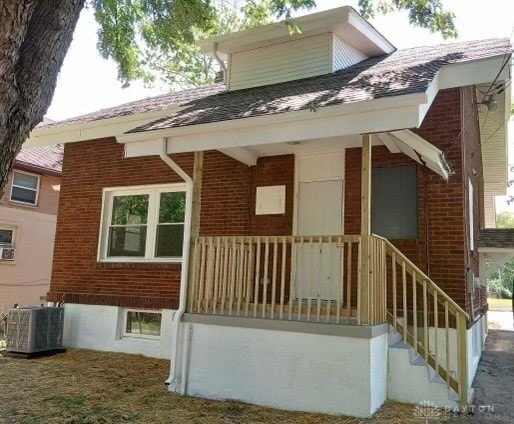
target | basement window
[
  {"x": 24, "y": 188},
  {"x": 143, "y": 224},
  {"x": 394, "y": 202},
  {"x": 6, "y": 237},
  {"x": 142, "y": 323}
]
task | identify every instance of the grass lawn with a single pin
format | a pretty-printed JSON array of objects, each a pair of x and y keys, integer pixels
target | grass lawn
[
  {"x": 500, "y": 304},
  {"x": 81, "y": 386}
]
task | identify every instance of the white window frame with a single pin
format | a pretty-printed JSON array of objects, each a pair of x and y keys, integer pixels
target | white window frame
[
  {"x": 13, "y": 230},
  {"x": 19, "y": 202},
  {"x": 154, "y": 192},
  {"x": 140, "y": 336}
]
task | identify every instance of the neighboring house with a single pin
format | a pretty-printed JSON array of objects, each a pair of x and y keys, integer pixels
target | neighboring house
[
  {"x": 28, "y": 212},
  {"x": 229, "y": 228}
]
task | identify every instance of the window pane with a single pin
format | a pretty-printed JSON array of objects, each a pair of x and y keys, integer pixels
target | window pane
[
  {"x": 6, "y": 236},
  {"x": 172, "y": 207},
  {"x": 23, "y": 195},
  {"x": 127, "y": 241},
  {"x": 25, "y": 180},
  {"x": 394, "y": 202},
  {"x": 169, "y": 240},
  {"x": 147, "y": 323},
  {"x": 130, "y": 210}
]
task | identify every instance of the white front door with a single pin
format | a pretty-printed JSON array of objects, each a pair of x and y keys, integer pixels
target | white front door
[{"x": 319, "y": 212}]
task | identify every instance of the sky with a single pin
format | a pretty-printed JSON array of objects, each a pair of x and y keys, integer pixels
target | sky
[{"x": 88, "y": 82}]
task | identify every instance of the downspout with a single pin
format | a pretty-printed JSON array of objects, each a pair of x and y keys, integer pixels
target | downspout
[{"x": 172, "y": 379}]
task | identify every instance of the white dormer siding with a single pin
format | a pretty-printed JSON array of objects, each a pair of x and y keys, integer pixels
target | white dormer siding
[
  {"x": 297, "y": 59},
  {"x": 344, "y": 54}
]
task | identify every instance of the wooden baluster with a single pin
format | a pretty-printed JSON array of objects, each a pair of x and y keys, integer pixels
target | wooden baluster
[
  {"x": 425, "y": 321},
  {"x": 349, "y": 275},
  {"x": 225, "y": 278},
  {"x": 311, "y": 278},
  {"x": 216, "y": 276},
  {"x": 257, "y": 277},
  {"x": 265, "y": 284},
  {"x": 233, "y": 271},
  {"x": 330, "y": 278},
  {"x": 283, "y": 278},
  {"x": 320, "y": 278},
  {"x": 436, "y": 329},
  {"x": 447, "y": 334},
  {"x": 414, "y": 312},
  {"x": 202, "y": 275},
  {"x": 274, "y": 278},
  {"x": 301, "y": 273},
  {"x": 340, "y": 286},
  {"x": 359, "y": 279},
  {"x": 249, "y": 276},
  {"x": 395, "y": 291},
  {"x": 194, "y": 276},
  {"x": 404, "y": 296},
  {"x": 210, "y": 275},
  {"x": 241, "y": 277},
  {"x": 292, "y": 278}
]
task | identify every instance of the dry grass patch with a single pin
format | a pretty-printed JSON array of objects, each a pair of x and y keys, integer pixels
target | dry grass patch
[{"x": 96, "y": 387}]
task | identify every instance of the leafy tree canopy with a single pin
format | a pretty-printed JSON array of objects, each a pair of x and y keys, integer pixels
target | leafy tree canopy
[{"x": 154, "y": 39}]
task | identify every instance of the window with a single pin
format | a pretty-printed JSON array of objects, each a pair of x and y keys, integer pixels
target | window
[
  {"x": 142, "y": 323},
  {"x": 24, "y": 188},
  {"x": 6, "y": 237},
  {"x": 394, "y": 202},
  {"x": 143, "y": 224}
]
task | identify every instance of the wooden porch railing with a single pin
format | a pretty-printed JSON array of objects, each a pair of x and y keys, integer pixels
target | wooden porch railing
[
  {"x": 318, "y": 279},
  {"x": 279, "y": 277},
  {"x": 426, "y": 317}
]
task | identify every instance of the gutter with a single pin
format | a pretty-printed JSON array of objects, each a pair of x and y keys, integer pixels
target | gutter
[{"x": 173, "y": 379}]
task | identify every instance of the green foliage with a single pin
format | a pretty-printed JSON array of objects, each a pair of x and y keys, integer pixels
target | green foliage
[
  {"x": 500, "y": 282},
  {"x": 155, "y": 39},
  {"x": 505, "y": 220},
  {"x": 428, "y": 14}
]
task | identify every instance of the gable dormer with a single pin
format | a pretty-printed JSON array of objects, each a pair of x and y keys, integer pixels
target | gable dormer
[{"x": 329, "y": 41}]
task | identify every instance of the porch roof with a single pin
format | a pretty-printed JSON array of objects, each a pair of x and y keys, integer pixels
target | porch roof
[
  {"x": 406, "y": 71},
  {"x": 496, "y": 238}
]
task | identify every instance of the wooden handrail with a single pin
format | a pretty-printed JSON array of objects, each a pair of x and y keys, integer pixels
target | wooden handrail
[
  {"x": 423, "y": 276},
  {"x": 436, "y": 308}
]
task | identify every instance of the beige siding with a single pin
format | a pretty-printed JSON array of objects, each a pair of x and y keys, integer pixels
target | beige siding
[
  {"x": 287, "y": 61},
  {"x": 345, "y": 55},
  {"x": 494, "y": 158}
]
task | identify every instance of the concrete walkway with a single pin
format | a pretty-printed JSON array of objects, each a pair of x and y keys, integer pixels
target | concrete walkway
[{"x": 494, "y": 381}]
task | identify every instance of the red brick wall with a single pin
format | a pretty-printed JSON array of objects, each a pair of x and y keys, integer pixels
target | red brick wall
[
  {"x": 441, "y": 248},
  {"x": 92, "y": 165}
]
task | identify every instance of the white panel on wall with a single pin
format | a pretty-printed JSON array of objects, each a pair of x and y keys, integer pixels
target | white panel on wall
[
  {"x": 345, "y": 55},
  {"x": 282, "y": 62},
  {"x": 270, "y": 200}
]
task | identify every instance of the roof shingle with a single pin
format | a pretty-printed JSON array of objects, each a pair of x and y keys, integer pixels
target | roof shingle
[
  {"x": 405, "y": 71},
  {"x": 46, "y": 158}
]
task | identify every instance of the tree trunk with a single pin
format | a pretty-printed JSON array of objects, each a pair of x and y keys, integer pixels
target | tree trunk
[{"x": 34, "y": 38}]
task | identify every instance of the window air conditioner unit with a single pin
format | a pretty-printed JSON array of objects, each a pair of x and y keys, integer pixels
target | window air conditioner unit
[
  {"x": 35, "y": 330},
  {"x": 7, "y": 253}
]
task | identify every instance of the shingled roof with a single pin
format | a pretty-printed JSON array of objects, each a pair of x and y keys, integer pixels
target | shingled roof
[
  {"x": 43, "y": 158},
  {"x": 149, "y": 104},
  {"x": 405, "y": 71},
  {"x": 496, "y": 237}
]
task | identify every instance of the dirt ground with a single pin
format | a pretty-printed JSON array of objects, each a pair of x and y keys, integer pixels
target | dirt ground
[
  {"x": 94, "y": 387},
  {"x": 494, "y": 382}
]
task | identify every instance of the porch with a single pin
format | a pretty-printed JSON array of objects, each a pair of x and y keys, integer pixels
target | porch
[{"x": 339, "y": 279}]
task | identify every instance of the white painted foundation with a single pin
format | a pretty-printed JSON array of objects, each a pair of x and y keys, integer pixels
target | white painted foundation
[
  {"x": 101, "y": 328},
  {"x": 288, "y": 370}
]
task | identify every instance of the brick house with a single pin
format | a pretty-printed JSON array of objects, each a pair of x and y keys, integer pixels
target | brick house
[
  {"x": 28, "y": 214},
  {"x": 302, "y": 235}
]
